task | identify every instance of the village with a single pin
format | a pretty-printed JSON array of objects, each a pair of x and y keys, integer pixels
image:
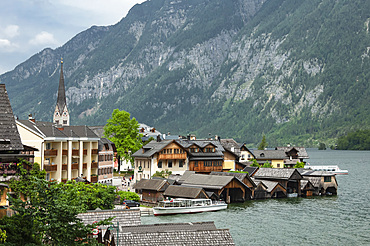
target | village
[{"x": 169, "y": 166}]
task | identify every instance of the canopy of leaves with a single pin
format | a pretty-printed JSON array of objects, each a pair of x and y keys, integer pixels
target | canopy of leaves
[
  {"x": 128, "y": 195},
  {"x": 255, "y": 163},
  {"x": 358, "y": 140},
  {"x": 263, "y": 143},
  {"x": 267, "y": 165},
  {"x": 299, "y": 165},
  {"x": 124, "y": 133},
  {"x": 162, "y": 174}
]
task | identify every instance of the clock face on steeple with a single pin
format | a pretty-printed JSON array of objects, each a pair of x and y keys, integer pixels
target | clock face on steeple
[{"x": 56, "y": 113}]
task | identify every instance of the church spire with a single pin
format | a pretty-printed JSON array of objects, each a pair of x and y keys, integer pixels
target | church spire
[{"x": 61, "y": 114}]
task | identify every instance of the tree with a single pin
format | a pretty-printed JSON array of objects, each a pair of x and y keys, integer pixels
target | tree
[
  {"x": 128, "y": 195},
  {"x": 263, "y": 143},
  {"x": 255, "y": 163},
  {"x": 124, "y": 133},
  {"x": 322, "y": 146},
  {"x": 299, "y": 165},
  {"x": 267, "y": 165},
  {"x": 162, "y": 174}
]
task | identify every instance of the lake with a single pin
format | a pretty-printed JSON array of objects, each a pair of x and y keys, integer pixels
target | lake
[{"x": 333, "y": 220}]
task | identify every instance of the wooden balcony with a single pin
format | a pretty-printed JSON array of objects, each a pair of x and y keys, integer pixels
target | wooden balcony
[
  {"x": 74, "y": 166},
  {"x": 64, "y": 167},
  {"x": 94, "y": 179},
  {"x": 50, "y": 152},
  {"x": 84, "y": 165},
  {"x": 51, "y": 168},
  {"x": 84, "y": 151},
  {"x": 94, "y": 151},
  {"x": 94, "y": 165},
  {"x": 181, "y": 156},
  {"x": 75, "y": 152},
  {"x": 65, "y": 152}
]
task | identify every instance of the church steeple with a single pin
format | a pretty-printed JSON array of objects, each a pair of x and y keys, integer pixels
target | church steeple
[{"x": 61, "y": 114}]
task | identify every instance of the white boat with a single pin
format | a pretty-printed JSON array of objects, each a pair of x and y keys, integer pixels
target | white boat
[
  {"x": 330, "y": 169},
  {"x": 187, "y": 206}
]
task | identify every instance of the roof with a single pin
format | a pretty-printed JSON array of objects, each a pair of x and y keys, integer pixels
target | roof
[
  {"x": 315, "y": 181},
  {"x": 150, "y": 184},
  {"x": 302, "y": 153},
  {"x": 240, "y": 176},
  {"x": 313, "y": 173},
  {"x": 9, "y": 135},
  {"x": 269, "y": 154},
  {"x": 182, "y": 191},
  {"x": 251, "y": 170},
  {"x": 125, "y": 217},
  {"x": 61, "y": 101},
  {"x": 184, "y": 176},
  {"x": 209, "y": 181},
  {"x": 151, "y": 148},
  {"x": 231, "y": 145},
  {"x": 49, "y": 129},
  {"x": 270, "y": 185},
  {"x": 276, "y": 173},
  {"x": 202, "y": 233},
  {"x": 306, "y": 184}
]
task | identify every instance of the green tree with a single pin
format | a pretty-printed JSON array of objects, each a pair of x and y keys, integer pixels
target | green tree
[
  {"x": 49, "y": 216},
  {"x": 162, "y": 174},
  {"x": 124, "y": 133},
  {"x": 128, "y": 195},
  {"x": 299, "y": 165},
  {"x": 263, "y": 143},
  {"x": 322, "y": 146},
  {"x": 267, "y": 165},
  {"x": 255, "y": 163}
]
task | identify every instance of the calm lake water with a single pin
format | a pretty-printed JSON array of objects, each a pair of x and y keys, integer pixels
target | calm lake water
[{"x": 339, "y": 220}]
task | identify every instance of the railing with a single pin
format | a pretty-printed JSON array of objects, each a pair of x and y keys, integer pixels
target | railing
[
  {"x": 64, "y": 167},
  {"x": 65, "y": 152},
  {"x": 94, "y": 179},
  {"x": 74, "y": 166},
  {"x": 172, "y": 156},
  {"x": 75, "y": 152},
  {"x": 84, "y": 151},
  {"x": 84, "y": 165},
  {"x": 51, "y": 152},
  {"x": 94, "y": 164},
  {"x": 94, "y": 151},
  {"x": 51, "y": 168}
]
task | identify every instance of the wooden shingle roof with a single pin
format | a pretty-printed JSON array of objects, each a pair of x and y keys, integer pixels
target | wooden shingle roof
[
  {"x": 9, "y": 135},
  {"x": 277, "y": 173},
  {"x": 151, "y": 184},
  {"x": 207, "y": 181},
  {"x": 183, "y": 191},
  {"x": 240, "y": 176}
]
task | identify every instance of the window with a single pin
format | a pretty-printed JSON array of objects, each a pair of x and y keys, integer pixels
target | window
[
  {"x": 208, "y": 163},
  {"x": 195, "y": 163},
  {"x": 48, "y": 145},
  {"x": 64, "y": 122},
  {"x": 181, "y": 163},
  {"x": 57, "y": 122},
  {"x": 169, "y": 164},
  {"x": 160, "y": 164},
  {"x": 278, "y": 165},
  {"x": 327, "y": 179}
]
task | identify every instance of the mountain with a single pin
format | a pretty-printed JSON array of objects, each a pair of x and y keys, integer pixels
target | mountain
[{"x": 295, "y": 71}]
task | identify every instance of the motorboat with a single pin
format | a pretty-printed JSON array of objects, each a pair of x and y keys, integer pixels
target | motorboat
[
  {"x": 187, "y": 206},
  {"x": 331, "y": 169}
]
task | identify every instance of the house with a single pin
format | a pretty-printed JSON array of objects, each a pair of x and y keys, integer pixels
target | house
[
  {"x": 178, "y": 191},
  {"x": 293, "y": 155},
  {"x": 274, "y": 157},
  {"x": 307, "y": 188},
  {"x": 151, "y": 190},
  {"x": 244, "y": 177},
  {"x": 65, "y": 153},
  {"x": 192, "y": 234},
  {"x": 227, "y": 188},
  {"x": 289, "y": 178},
  {"x": 324, "y": 183},
  {"x": 269, "y": 189}
]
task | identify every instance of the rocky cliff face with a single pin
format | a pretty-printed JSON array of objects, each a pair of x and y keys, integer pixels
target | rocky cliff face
[{"x": 238, "y": 69}]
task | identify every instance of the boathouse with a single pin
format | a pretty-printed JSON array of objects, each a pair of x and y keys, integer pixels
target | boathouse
[
  {"x": 325, "y": 183},
  {"x": 269, "y": 189},
  {"x": 151, "y": 190},
  {"x": 289, "y": 178},
  {"x": 307, "y": 188},
  {"x": 227, "y": 188},
  {"x": 178, "y": 191},
  {"x": 244, "y": 177}
]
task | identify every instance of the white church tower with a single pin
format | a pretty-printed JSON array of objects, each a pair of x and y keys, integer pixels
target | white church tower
[{"x": 61, "y": 115}]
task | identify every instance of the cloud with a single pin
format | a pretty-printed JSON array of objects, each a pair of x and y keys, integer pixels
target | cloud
[
  {"x": 7, "y": 46},
  {"x": 11, "y": 31},
  {"x": 43, "y": 38}
]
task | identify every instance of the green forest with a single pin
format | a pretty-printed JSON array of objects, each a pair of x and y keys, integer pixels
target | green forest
[{"x": 357, "y": 140}]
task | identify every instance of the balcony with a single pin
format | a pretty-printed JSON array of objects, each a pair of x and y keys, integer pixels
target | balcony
[
  {"x": 84, "y": 165},
  {"x": 64, "y": 167},
  {"x": 74, "y": 166},
  {"x": 75, "y": 152},
  {"x": 50, "y": 168},
  {"x": 8, "y": 169},
  {"x": 94, "y": 151},
  {"x": 93, "y": 179},
  {"x": 65, "y": 152},
  {"x": 94, "y": 165},
  {"x": 181, "y": 156},
  {"x": 84, "y": 151},
  {"x": 50, "y": 152}
]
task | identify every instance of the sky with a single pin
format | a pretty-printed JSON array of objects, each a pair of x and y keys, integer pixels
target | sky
[{"x": 29, "y": 26}]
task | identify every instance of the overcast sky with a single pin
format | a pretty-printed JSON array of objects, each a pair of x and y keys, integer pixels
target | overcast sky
[{"x": 29, "y": 26}]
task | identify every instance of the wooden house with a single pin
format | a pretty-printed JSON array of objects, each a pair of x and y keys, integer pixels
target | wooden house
[
  {"x": 287, "y": 177},
  {"x": 151, "y": 190},
  {"x": 274, "y": 157},
  {"x": 244, "y": 177},
  {"x": 178, "y": 191},
  {"x": 227, "y": 188},
  {"x": 272, "y": 189},
  {"x": 307, "y": 188},
  {"x": 324, "y": 183},
  {"x": 293, "y": 155}
]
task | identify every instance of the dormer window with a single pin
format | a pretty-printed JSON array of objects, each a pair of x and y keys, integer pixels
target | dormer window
[{"x": 262, "y": 155}]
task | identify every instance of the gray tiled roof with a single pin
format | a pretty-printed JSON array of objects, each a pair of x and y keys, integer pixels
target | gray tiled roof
[
  {"x": 150, "y": 184},
  {"x": 302, "y": 153},
  {"x": 269, "y": 184},
  {"x": 200, "y": 237},
  {"x": 166, "y": 227},
  {"x": 315, "y": 181},
  {"x": 313, "y": 173},
  {"x": 240, "y": 176},
  {"x": 9, "y": 136},
  {"x": 306, "y": 182},
  {"x": 182, "y": 191},
  {"x": 151, "y": 148},
  {"x": 125, "y": 217},
  {"x": 269, "y": 154},
  {"x": 207, "y": 181},
  {"x": 275, "y": 173},
  {"x": 251, "y": 170}
]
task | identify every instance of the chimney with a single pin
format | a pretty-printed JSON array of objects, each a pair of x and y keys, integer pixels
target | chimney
[
  {"x": 158, "y": 138},
  {"x": 30, "y": 118}
]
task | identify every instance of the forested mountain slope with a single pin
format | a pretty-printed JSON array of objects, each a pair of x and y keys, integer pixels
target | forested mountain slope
[{"x": 296, "y": 71}]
